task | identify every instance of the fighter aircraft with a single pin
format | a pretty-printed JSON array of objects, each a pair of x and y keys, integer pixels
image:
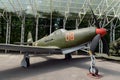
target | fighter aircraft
[{"x": 63, "y": 41}]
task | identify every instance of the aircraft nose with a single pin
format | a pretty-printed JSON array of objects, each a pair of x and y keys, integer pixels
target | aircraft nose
[{"x": 101, "y": 31}]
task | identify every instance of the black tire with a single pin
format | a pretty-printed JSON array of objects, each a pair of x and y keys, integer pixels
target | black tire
[
  {"x": 68, "y": 56},
  {"x": 95, "y": 70},
  {"x": 27, "y": 61}
]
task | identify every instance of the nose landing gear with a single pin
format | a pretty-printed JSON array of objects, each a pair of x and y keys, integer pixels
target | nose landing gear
[{"x": 93, "y": 71}]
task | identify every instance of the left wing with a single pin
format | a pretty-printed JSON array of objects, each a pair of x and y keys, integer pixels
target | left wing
[{"x": 25, "y": 48}]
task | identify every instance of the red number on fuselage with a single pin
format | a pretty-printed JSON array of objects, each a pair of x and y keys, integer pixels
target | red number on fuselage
[{"x": 69, "y": 36}]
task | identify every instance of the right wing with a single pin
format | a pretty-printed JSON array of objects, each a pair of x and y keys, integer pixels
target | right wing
[{"x": 72, "y": 49}]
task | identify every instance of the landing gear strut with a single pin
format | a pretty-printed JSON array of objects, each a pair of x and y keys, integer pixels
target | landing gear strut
[
  {"x": 93, "y": 70},
  {"x": 25, "y": 62},
  {"x": 68, "y": 56}
]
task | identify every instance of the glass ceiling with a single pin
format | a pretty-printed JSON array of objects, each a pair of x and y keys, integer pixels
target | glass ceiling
[{"x": 110, "y": 7}]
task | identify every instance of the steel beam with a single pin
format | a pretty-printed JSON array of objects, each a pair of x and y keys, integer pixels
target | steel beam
[
  {"x": 37, "y": 22},
  {"x": 22, "y": 29}
]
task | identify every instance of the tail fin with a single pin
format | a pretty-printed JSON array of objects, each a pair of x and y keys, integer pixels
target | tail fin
[{"x": 29, "y": 38}]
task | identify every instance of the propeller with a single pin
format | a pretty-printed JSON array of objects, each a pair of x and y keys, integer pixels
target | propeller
[
  {"x": 100, "y": 35},
  {"x": 105, "y": 46},
  {"x": 94, "y": 43}
]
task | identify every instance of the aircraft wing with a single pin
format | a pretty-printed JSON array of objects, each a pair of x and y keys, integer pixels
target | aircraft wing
[
  {"x": 25, "y": 48},
  {"x": 72, "y": 49}
]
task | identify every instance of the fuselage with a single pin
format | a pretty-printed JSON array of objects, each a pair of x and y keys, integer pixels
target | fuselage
[{"x": 63, "y": 39}]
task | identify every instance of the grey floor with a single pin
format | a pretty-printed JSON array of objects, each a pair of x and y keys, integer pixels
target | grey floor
[{"x": 55, "y": 68}]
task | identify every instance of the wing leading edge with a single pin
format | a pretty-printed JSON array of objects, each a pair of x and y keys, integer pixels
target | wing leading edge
[
  {"x": 25, "y": 48},
  {"x": 72, "y": 49}
]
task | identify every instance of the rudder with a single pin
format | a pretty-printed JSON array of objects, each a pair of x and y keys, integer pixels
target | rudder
[{"x": 29, "y": 38}]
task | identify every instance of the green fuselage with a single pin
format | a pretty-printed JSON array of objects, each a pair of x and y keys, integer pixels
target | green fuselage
[{"x": 63, "y": 39}]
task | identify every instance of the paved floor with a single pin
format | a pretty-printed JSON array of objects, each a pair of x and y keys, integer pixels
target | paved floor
[{"x": 55, "y": 68}]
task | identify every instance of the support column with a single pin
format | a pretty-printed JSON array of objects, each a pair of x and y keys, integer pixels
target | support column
[
  {"x": 64, "y": 22},
  {"x": 65, "y": 18},
  {"x": 22, "y": 29},
  {"x": 110, "y": 32},
  {"x": 7, "y": 34},
  {"x": 100, "y": 46},
  {"x": 51, "y": 24},
  {"x": 0, "y": 27},
  {"x": 76, "y": 26},
  {"x": 51, "y": 16},
  {"x": 113, "y": 33},
  {"x": 37, "y": 22},
  {"x": 8, "y": 30}
]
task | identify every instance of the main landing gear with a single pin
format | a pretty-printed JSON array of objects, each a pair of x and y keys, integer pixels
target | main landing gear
[
  {"x": 25, "y": 62},
  {"x": 68, "y": 56}
]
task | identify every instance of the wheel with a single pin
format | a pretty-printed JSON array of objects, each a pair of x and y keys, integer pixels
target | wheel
[
  {"x": 68, "y": 57},
  {"x": 27, "y": 61},
  {"x": 93, "y": 70}
]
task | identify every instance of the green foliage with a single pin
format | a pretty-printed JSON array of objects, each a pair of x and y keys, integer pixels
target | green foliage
[
  {"x": 1, "y": 10},
  {"x": 55, "y": 14},
  {"x": 115, "y": 47},
  {"x": 73, "y": 16},
  {"x": 70, "y": 24},
  {"x": 2, "y": 30}
]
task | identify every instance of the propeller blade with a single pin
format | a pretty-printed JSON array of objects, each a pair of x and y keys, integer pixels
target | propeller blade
[
  {"x": 105, "y": 46},
  {"x": 96, "y": 21},
  {"x": 94, "y": 42}
]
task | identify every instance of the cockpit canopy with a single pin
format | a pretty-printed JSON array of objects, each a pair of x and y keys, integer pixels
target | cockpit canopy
[{"x": 59, "y": 31}]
